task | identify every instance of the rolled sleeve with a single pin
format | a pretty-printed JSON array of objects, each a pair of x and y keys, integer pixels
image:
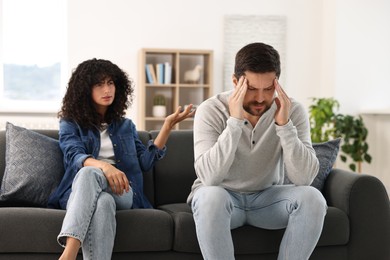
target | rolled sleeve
[
  {"x": 158, "y": 153},
  {"x": 81, "y": 159}
]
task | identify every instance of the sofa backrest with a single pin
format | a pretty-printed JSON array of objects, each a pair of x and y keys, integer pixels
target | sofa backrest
[
  {"x": 144, "y": 136},
  {"x": 175, "y": 173},
  {"x": 168, "y": 182}
]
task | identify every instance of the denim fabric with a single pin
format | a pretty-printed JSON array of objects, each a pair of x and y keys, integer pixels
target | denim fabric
[
  {"x": 90, "y": 215},
  {"x": 131, "y": 157},
  {"x": 299, "y": 209}
]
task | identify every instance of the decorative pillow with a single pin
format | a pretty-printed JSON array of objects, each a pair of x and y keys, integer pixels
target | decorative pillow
[
  {"x": 33, "y": 167},
  {"x": 326, "y": 153}
]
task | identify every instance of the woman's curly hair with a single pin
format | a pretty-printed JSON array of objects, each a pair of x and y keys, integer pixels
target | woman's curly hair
[{"x": 77, "y": 104}]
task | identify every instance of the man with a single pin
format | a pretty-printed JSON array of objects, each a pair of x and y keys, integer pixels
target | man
[{"x": 245, "y": 140}]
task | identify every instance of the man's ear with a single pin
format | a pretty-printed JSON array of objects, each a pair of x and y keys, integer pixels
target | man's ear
[{"x": 234, "y": 79}]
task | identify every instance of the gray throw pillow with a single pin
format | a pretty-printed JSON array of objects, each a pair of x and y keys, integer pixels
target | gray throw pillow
[
  {"x": 326, "y": 153},
  {"x": 33, "y": 167}
]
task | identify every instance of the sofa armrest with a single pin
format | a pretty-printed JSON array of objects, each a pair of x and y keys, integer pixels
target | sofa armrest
[{"x": 365, "y": 200}]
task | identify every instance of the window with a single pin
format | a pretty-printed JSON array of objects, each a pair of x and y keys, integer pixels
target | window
[{"x": 32, "y": 54}]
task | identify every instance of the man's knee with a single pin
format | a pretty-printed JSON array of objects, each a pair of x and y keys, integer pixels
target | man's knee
[
  {"x": 212, "y": 198},
  {"x": 314, "y": 199}
]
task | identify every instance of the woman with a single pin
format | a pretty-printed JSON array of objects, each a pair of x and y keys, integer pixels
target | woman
[{"x": 103, "y": 158}]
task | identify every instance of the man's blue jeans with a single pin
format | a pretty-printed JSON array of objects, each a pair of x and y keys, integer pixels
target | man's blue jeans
[
  {"x": 299, "y": 209},
  {"x": 90, "y": 213}
]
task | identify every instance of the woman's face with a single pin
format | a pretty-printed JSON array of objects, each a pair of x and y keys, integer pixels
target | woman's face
[{"x": 103, "y": 94}]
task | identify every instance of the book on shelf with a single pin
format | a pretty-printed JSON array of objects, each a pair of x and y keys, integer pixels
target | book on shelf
[
  {"x": 167, "y": 73},
  {"x": 151, "y": 74},
  {"x": 160, "y": 73},
  {"x": 148, "y": 74}
]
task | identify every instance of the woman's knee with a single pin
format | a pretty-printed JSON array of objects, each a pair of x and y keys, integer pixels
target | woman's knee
[
  {"x": 88, "y": 174},
  {"x": 124, "y": 201},
  {"x": 105, "y": 204}
]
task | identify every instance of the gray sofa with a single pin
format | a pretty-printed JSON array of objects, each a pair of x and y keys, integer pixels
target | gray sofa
[{"x": 357, "y": 224}]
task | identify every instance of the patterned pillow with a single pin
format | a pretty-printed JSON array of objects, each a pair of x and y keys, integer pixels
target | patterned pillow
[
  {"x": 33, "y": 167},
  {"x": 326, "y": 153}
]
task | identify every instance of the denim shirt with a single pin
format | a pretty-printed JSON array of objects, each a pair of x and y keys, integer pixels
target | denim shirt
[{"x": 131, "y": 156}]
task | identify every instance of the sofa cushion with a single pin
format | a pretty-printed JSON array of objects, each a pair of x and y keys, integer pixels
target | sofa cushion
[
  {"x": 336, "y": 229},
  {"x": 326, "y": 153},
  {"x": 33, "y": 167},
  {"x": 140, "y": 230},
  {"x": 30, "y": 229},
  {"x": 35, "y": 230}
]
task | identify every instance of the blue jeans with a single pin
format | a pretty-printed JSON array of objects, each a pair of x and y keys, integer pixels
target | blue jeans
[
  {"x": 299, "y": 209},
  {"x": 90, "y": 213}
]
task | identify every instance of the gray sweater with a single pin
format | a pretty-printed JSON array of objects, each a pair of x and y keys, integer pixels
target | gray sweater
[{"x": 232, "y": 154}]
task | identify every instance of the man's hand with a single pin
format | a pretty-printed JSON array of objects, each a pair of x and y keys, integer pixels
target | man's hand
[
  {"x": 237, "y": 98},
  {"x": 283, "y": 104}
]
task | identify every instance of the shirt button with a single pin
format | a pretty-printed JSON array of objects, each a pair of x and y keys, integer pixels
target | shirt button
[
  {"x": 246, "y": 122},
  {"x": 118, "y": 161},
  {"x": 253, "y": 142}
]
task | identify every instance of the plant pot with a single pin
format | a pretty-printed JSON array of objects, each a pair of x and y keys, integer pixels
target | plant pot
[{"x": 159, "y": 111}]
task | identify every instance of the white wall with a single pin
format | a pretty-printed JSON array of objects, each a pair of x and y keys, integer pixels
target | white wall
[{"x": 362, "y": 61}]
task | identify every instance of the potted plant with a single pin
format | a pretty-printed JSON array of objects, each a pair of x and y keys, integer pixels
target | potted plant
[
  {"x": 326, "y": 123},
  {"x": 159, "y": 106}
]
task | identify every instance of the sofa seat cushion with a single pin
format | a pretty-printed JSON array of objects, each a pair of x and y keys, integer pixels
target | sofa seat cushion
[
  {"x": 35, "y": 230},
  {"x": 336, "y": 228},
  {"x": 143, "y": 230},
  {"x": 252, "y": 240},
  {"x": 30, "y": 230}
]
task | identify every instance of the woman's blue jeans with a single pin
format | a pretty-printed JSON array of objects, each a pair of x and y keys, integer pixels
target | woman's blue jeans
[
  {"x": 90, "y": 214},
  {"x": 299, "y": 209}
]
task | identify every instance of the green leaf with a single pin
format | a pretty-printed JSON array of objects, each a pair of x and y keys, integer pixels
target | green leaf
[{"x": 367, "y": 158}]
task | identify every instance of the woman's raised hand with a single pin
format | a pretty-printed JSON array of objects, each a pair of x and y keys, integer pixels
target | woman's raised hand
[{"x": 178, "y": 116}]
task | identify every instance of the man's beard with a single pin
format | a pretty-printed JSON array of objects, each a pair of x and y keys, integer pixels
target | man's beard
[{"x": 254, "y": 111}]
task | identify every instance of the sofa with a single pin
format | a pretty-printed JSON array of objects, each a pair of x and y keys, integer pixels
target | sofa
[{"x": 357, "y": 224}]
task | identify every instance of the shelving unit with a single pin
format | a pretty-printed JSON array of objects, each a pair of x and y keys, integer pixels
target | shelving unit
[{"x": 177, "y": 92}]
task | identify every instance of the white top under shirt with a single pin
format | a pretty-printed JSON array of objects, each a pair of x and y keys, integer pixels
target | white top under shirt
[{"x": 106, "y": 152}]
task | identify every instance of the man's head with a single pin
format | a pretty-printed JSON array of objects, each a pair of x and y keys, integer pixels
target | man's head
[
  {"x": 259, "y": 64},
  {"x": 257, "y": 57}
]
